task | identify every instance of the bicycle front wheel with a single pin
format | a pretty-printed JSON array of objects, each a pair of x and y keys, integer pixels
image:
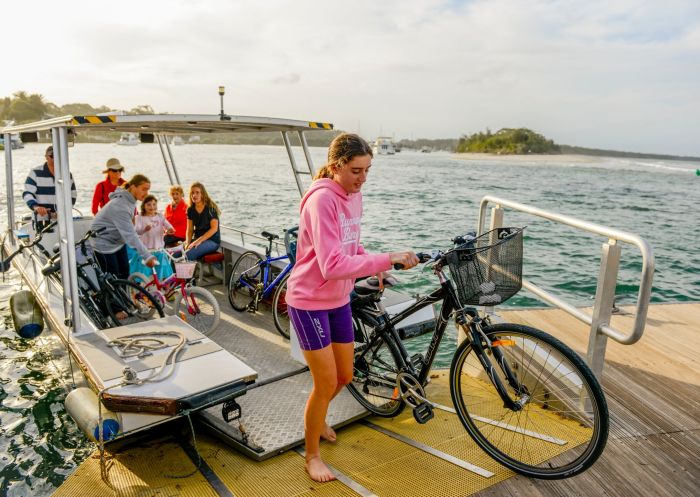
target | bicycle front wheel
[
  {"x": 143, "y": 281},
  {"x": 199, "y": 309},
  {"x": 128, "y": 303},
  {"x": 562, "y": 426},
  {"x": 245, "y": 276},
  {"x": 375, "y": 368},
  {"x": 280, "y": 315}
]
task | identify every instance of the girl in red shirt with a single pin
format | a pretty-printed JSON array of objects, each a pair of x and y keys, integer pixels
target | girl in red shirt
[{"x": 176, "y": 214}]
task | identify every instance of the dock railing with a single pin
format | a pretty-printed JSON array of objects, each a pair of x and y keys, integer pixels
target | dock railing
[{"x": 599, "y": 320}]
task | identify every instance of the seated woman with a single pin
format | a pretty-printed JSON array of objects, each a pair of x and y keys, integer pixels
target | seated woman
[
  {"x": 176, "y": 214},
  {"x": 203, "y": 233},
  {"x": 151, "y": 227}
]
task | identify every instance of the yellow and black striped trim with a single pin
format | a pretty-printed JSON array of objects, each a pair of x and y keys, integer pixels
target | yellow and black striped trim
[
  {"x": 77, "y": 120},
  {"x": 321, "y": 125}
]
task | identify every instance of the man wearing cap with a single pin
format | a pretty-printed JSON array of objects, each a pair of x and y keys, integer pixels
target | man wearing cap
[
  {"x": 40, "y": 189},
  {"x": 114, "y": 179}
]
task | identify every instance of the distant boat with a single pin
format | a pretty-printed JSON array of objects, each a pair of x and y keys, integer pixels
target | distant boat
[
  {"x": 383, "y": 146},
  {"x": 15, "y": 141},
  {"x": 129, "y": 139}
]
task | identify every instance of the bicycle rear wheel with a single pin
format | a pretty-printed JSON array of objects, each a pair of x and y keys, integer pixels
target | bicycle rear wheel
[
  {"x": 199, "y": 309},
  {"x": 245, "y": 276},
  {"x": 374, "y": 384},
  {"x": 131, "y": 299},
  {"x": 563, "y": 425},
  {"x": 280, "y": 315}
]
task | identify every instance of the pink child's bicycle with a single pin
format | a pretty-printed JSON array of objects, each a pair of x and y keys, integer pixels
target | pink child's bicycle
[{"x": 194, "y": 304}]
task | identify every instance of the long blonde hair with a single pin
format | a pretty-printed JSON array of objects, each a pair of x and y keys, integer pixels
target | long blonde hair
[
  {"x": 343, "y": 148},
  {"x": 206, "y": 199}
]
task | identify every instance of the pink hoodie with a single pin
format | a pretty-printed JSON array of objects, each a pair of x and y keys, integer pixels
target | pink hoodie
[{"x": 329, "y": 253}]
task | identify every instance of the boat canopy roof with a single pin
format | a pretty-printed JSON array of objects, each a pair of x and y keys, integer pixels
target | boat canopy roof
[{"x": 176, "y": 124}]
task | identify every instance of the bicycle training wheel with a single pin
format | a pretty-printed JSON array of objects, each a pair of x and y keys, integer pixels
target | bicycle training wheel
[
  {"x": 142, "y": 280},
  {"x": 245, "y": 276},
  {"x": 280, "y": 315},
  {"x": 131, "y": 299},
  {"x": 374, "y": 383},
  {"x": 199, "y": 309},
  {"x": 562, "y": 427}
]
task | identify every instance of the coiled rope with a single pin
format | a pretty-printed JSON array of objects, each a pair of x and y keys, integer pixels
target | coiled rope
[{"x": 139, "y": 345}]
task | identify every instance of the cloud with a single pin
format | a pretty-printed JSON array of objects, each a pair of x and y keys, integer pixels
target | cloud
[{"x": 597, "y": 73}]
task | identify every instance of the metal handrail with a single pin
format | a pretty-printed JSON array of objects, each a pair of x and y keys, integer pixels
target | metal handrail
[
  {"x": 244, "y": 234},
  {"x": 607, "y": 278}
]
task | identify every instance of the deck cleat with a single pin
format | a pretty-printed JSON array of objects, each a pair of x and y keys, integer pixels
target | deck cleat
[{"x": 231, "y": 411}]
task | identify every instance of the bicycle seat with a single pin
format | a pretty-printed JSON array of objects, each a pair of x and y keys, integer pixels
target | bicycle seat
[
  {"x": 370, "y": 285},
  {"x": 269, "y": 236}
]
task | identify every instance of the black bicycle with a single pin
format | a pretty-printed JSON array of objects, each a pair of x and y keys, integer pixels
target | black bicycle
[
  {"x": 107, "y": 300},
  {"x": 525, "y": 398}
]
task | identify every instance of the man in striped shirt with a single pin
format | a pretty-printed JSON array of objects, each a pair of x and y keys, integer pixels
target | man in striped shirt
[{"x": 40, "y": 188}]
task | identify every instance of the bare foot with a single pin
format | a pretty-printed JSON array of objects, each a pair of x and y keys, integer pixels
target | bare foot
[
  {"x": 318, "y": 471},
  {"x": 328, "y": 434},
  {"x": 121, "y": 315}
]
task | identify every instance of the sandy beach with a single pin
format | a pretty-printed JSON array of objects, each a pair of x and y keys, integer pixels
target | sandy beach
[{"x": 536, "y": 158}]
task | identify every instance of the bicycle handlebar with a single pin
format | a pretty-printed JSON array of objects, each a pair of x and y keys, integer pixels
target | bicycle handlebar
[
  {"x": 5, "y": 265},
  {"x": 52, "y": 265},
  {"x": 422, "y": 257}
]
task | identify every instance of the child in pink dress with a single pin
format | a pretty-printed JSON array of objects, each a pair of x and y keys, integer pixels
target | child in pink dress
[{"x": 151, "y": 226}]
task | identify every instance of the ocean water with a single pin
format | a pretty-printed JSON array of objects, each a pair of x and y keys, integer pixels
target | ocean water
[{"x": 412, "y": 201}]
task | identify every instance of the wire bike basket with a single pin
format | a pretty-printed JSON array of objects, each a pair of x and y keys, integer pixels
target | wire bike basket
[
  {"x": 488, "y": 269},
  {"x": 185, "y": 270}
]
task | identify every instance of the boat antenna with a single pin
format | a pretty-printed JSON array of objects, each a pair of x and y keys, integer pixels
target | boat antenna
[{"x": 223, "y": 116}]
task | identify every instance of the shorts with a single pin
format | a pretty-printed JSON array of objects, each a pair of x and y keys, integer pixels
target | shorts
[{"x": 317, "y": 329}]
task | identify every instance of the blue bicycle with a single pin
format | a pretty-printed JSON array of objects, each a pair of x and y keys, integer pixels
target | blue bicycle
[{"x": 252, "y": 280}]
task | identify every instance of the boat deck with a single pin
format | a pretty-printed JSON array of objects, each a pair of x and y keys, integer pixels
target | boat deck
[{"x": 652, "y": 387}]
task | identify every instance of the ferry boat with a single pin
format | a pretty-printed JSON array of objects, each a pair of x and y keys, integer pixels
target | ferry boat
[
  {"x": 211, "y": 373},
  {"x": 129, "y": 139}
]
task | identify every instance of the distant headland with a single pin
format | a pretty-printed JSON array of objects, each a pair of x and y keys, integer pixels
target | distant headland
[{"x": 23, "y": 107}]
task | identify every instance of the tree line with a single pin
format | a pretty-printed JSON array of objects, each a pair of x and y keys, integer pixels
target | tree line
[
  {"x": 507, "y": 141},
  {"x": 23, "y": 107}
]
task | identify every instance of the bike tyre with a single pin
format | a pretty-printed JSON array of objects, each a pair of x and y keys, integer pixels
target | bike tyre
[
  {"x": 143, "y": 281},
  {"x": 123, "y": 296},
  {"x": 383, "y": 352},
  {"x": 205, "y": 321},
  {"x": 239, "y": 296},
  {"x": 280, "y": 315},
  {"x": 478, "y": 415}
]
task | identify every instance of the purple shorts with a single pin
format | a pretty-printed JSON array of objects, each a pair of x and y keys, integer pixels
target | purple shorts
[{"x": 317, "y": 329}]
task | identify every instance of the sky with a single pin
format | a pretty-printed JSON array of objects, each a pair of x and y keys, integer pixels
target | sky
[{"x": 612, "y": 74}]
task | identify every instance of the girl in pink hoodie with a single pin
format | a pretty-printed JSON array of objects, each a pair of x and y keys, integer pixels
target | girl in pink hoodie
[{"x": 329, "y": 258}]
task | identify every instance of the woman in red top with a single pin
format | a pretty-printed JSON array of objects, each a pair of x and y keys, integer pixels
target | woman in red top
[
  {"x": 104, "y": 188},
  {"x": 176, "y": 214}
]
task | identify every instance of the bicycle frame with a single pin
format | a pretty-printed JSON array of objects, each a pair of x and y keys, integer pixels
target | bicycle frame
[
  {"x": 382, "y": 326},
  {"x": 468, "y": 317},
  {"x": 267, "y": 271}
]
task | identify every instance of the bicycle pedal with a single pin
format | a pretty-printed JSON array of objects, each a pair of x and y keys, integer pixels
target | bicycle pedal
[
  {"x": 418, "y": 361},
  {"x": 423, "y": 413}
]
